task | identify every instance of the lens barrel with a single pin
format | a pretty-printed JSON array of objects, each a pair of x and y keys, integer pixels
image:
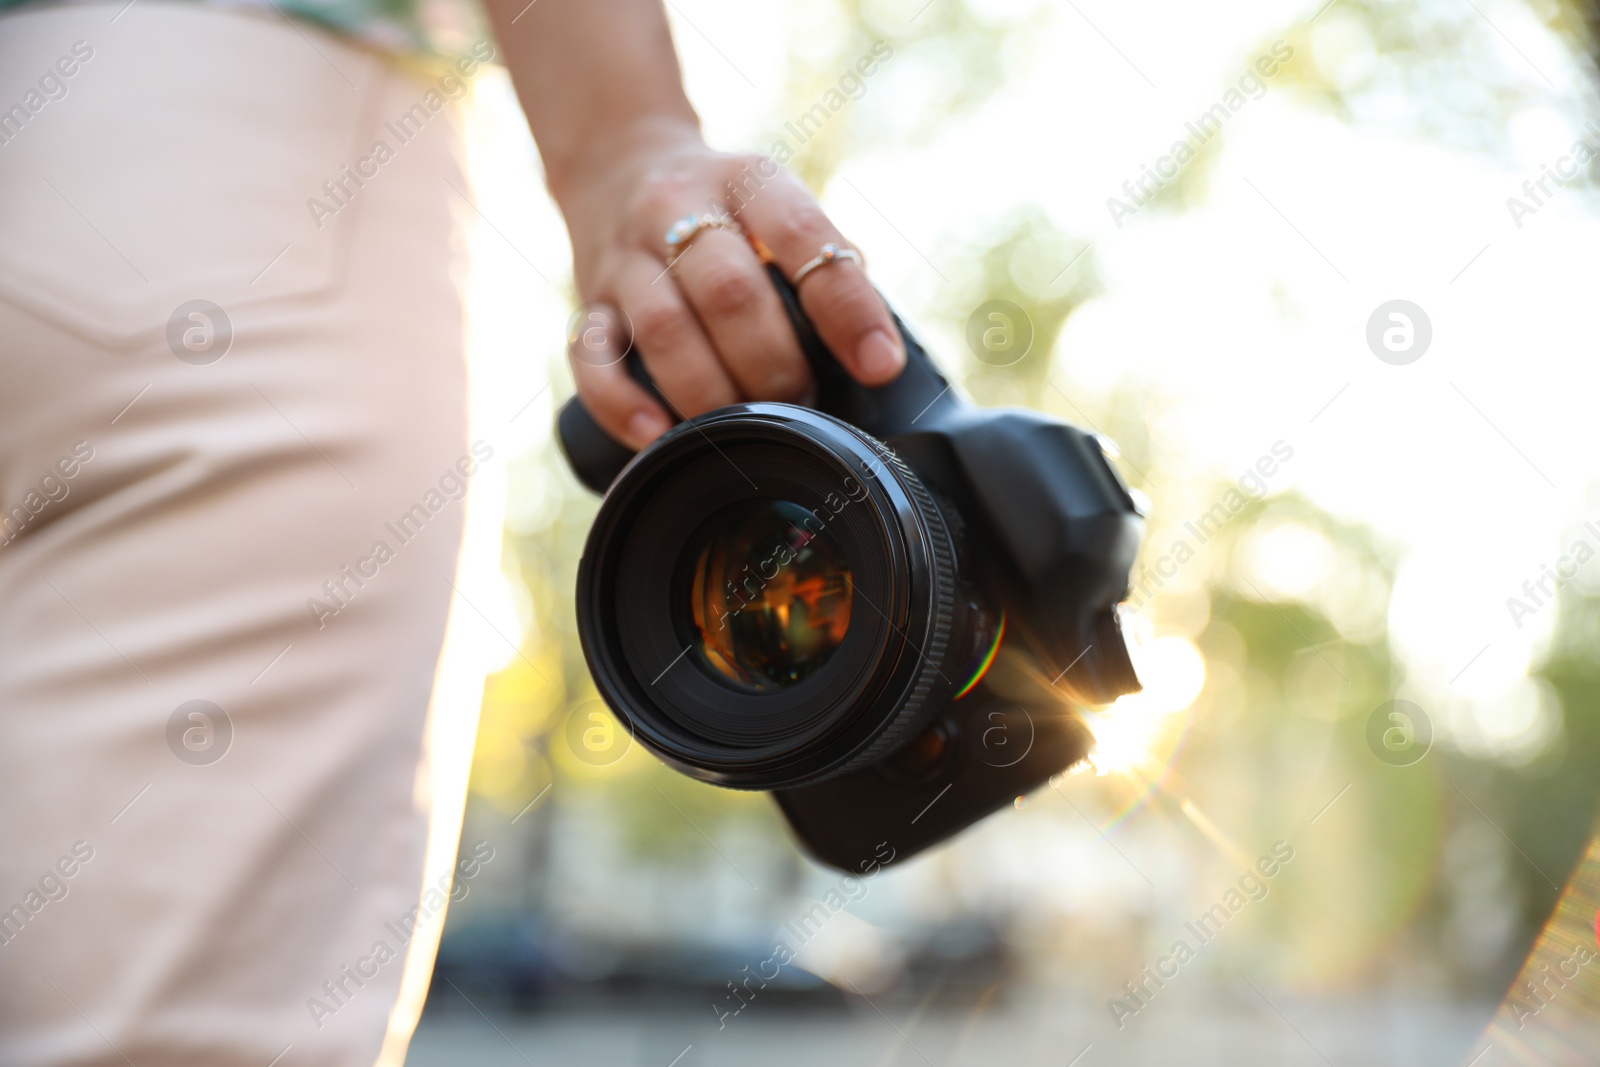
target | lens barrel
[{"x": 862, "y": 625}]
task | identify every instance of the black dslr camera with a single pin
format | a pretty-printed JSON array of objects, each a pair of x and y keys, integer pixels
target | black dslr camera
[{"x": 813, "y": 602}]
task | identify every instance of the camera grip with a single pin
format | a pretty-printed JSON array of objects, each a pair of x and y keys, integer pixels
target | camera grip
[{"x": 918, "y": 393}]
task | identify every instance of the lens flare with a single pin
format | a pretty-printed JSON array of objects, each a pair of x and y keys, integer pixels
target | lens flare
[
  {"x": 986, "y": 661},
  {"x": 1130, "y": 734}
]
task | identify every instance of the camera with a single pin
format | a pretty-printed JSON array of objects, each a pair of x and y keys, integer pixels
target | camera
[{"x": 886, "y": 610}]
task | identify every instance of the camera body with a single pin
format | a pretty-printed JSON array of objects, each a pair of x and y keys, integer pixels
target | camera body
[{"x": 924, "y": 539}]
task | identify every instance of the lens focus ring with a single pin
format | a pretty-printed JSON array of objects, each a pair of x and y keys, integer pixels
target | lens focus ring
[{"x": 918, "y": 704}]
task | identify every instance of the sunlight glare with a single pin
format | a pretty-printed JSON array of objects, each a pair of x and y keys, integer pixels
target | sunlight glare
[{"x": 1127, "y": 733}]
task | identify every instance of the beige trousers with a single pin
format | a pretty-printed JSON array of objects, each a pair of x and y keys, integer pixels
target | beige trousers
[{"x": 216, "y": 404}]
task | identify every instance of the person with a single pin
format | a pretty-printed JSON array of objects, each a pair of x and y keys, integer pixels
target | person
[{"x": 235, "y": 464}]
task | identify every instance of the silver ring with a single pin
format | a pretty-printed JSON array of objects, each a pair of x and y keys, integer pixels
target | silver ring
[
  {"x": 683, "y": 232},
  {"x": 831, "y": 253}
]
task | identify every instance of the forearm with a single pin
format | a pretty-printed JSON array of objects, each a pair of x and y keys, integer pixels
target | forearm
[{"x": 598, "y": 80}]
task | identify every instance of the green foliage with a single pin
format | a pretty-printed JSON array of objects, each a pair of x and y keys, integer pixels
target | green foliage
[
  {"x": 1431, "y": 71},
  {"x": 1276, "y": 742}
]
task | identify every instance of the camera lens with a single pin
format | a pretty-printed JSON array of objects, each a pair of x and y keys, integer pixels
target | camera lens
[{"x": 770, "y": 599}]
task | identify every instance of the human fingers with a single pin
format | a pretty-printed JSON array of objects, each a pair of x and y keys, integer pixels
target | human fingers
[
  {"x": 742, "y": 314},
  {"x": 847, "y": 311},
  {"x": 680, "y": 358},
  {"x": 596, "y": 346}
]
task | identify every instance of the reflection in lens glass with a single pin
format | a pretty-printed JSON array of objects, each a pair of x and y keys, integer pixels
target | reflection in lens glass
[{"x": 770, "y": 595}]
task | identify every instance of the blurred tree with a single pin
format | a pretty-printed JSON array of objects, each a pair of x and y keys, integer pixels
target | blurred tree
[
  {"x": 1383, "y": 877},
  {"x": 1435, "y": 70}
]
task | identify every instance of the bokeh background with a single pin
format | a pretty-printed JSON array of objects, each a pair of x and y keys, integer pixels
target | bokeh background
[{"x": 1223, "y": 319}]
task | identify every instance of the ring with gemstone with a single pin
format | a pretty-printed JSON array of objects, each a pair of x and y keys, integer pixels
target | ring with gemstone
[
  {"x": 831, "y": 253},
  {"x": 683, "y": 232}
]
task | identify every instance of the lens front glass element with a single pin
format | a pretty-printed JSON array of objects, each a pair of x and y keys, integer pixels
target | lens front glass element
[{"x": 770, "y": 594}]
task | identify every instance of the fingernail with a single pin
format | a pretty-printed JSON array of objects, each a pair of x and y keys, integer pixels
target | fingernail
[
  {"x": 646, "y": 426},
  {"x": 879, "y": 356}
]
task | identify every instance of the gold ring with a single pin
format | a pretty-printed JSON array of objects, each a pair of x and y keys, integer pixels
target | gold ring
[
  {"x": 831, "y": 253},
  {"x": 683, "y": 232}
]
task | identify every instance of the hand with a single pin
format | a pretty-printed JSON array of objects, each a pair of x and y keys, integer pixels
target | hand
[{"x": 711, "y": 328}]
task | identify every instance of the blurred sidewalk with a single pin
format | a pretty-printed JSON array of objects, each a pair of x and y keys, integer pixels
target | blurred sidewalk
[{"x": 1218, "y": 1027}]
